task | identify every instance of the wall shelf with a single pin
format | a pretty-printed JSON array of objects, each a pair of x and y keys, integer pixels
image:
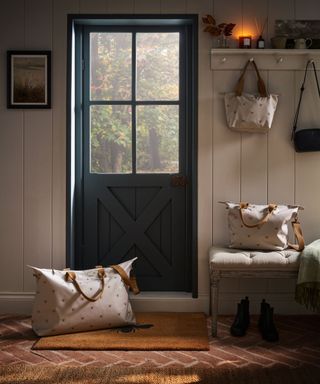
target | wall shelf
[{"x": 268, "y": 59}]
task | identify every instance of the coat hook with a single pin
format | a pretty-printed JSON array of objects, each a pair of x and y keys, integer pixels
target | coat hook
[
  {"x": 278, "y": 58},
  {"x": 311, "y": 59},
  {"x": 251, "y": 59},
  {"x": 223, "y": 60}
]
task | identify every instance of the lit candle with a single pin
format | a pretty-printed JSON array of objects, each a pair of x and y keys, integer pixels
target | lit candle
[{"x": 245, "y": 42}]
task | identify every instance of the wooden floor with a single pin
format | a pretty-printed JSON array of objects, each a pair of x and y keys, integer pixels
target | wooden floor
[{"x": 299, "y": 345}]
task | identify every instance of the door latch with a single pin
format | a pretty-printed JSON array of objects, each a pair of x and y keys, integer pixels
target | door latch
[{"x": 179, "y": 181}]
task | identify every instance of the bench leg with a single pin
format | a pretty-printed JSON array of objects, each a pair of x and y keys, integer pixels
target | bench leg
[{"x": 215, "y": 278}]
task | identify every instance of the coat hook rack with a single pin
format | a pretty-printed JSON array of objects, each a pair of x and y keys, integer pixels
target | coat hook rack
[
  {"x": 267, "y": 59},
  {"x": 279, "y": 59}
]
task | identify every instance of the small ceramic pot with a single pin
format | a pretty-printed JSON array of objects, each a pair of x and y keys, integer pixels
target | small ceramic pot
[{"x": 278, "y": 42}]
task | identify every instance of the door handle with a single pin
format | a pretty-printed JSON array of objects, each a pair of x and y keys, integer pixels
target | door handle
[{"x": 179, "y": 181}]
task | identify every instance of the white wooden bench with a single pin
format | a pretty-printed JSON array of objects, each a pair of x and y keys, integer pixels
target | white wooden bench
[{"x": 236, "y": 263}]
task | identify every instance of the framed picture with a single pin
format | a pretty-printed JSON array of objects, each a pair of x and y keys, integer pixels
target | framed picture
[{"x": 29, "y": 79}]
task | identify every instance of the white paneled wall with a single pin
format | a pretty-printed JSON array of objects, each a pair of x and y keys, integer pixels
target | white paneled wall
[
  {"x": 37, "y": 180},
  {"x": 11, "y": 159},
  {"x": 231, "y": 166}
]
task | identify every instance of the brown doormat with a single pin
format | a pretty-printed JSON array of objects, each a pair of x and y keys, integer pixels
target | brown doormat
[
  {"x": 169, "y": 331},
  {"x": 169, "y": 375}
]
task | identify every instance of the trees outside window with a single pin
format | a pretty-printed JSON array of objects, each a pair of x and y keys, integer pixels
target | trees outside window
[{"x": 134, "y": 102}]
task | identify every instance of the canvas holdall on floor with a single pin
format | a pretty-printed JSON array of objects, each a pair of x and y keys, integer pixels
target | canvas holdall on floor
[
  {"x": 71, "y": 301},
  {"x": 265, "y": 227}
]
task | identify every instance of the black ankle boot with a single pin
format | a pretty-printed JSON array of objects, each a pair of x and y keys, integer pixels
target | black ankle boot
[
  {"x": 242, "y": 319},
  {"x": 263, "y": 308},
  {"x": 266, "y": 324}
]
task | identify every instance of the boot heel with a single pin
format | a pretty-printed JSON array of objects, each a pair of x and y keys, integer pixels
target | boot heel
[
  {"x": 241, "y": 322},
  {"x": 266, "y": 324},
  {"x": 263, "y": 307}
]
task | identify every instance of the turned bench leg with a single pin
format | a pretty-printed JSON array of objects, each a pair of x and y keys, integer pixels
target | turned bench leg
[{"x": 214, "y": 293}]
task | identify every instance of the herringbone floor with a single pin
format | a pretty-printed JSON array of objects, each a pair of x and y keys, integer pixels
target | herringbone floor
[{"x": 299, "y": 345}]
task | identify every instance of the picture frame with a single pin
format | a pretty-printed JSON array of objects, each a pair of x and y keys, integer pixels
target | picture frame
[{"x": 29, "y": 79}]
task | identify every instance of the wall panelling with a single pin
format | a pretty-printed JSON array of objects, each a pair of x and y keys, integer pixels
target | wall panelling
[{"x": 230, "y": 166}]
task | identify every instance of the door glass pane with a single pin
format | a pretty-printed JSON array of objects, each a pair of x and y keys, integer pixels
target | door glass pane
[
  {"x": 110, "y": 66},
  {"x": 158, "y": 66},
  {"x": 110, "y": 139},
  {"x": 157, "y": 139}
]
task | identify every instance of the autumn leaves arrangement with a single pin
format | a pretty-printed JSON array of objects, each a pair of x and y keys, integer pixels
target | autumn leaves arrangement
[{"x": 222, "y": 29}]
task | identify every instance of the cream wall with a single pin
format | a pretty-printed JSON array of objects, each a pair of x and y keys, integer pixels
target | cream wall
[{"x": 231, "y": 166}]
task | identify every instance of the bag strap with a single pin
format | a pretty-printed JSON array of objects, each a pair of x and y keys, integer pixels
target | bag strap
[
  {"x": 72, "y": 277},
  {"x": 261, "y": 85},
  {"x": 298, "y": 235},
  {"x": 130, "y": 282},
  {"x": 296, "y": 226},
  {"x": 271, "y": 208},
  {"x": 296, "y": 116}
]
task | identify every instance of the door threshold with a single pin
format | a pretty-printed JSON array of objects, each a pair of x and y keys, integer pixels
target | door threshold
[
  {"x": 169, "y": 302},
  {"x": 161, "y": 295}
]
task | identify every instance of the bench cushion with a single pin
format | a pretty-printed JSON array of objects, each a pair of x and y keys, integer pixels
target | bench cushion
[{"x": 236, "y": 259}]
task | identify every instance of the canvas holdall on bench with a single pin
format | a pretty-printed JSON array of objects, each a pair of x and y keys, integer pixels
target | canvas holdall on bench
[
  {"x": 74, "y": 301},
  {"x": 263, "y": 227}
]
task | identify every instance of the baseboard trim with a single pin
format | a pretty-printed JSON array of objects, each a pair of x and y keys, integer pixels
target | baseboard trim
[
  {"x": 21, "y": 302},
  {"x": 283, "y": 303},
  {"x": 16, "y": 302}
]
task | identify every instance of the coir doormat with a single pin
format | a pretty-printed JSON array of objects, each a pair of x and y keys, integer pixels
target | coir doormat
[{"x": 169, "y": 331}]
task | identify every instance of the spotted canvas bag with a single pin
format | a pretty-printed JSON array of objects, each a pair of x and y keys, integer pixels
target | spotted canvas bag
[
  {"x": 247, "y": 112},
  {"x": 71, "y": 301},
  {"x": 263, "y": 227}
]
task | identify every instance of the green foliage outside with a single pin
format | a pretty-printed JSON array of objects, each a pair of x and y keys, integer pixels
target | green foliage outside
[{"x": 157, "y": 126}]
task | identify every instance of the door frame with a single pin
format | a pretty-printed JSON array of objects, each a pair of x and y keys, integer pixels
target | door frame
[{"x": 74, "y": 122}]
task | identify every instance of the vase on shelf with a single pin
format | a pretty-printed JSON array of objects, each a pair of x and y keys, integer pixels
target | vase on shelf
[{"x": 223, "y": 42}]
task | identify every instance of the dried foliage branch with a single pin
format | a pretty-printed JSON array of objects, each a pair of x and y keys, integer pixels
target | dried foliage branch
[{"x": 217, "y": 29}]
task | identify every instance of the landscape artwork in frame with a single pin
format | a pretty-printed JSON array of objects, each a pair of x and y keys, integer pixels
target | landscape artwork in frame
[{"x": 29, "y": 79}]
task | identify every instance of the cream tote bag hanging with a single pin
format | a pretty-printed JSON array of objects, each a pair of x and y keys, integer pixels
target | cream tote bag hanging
[
  {"x": 250, "y": 113},
  {"x": 74, "y": 301}
]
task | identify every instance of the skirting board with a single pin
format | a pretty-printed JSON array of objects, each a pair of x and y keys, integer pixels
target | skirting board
[{"x": 21, "y": 303}]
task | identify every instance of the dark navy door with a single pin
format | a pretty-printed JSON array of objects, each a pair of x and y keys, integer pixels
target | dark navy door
[{"x": 135, "y": 195}]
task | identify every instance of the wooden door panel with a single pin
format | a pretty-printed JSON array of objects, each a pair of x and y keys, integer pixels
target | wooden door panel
[
  {"x": 125, "y": 222},
  {"x": 142, "y": 267},
  {"x": 109, "y": 233},
  {"x": 160, "y": 233}
]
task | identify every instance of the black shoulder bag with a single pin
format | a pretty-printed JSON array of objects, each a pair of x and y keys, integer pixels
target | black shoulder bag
[{"x": 306, "y": 140}]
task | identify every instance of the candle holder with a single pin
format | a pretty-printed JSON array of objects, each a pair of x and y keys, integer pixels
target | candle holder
[{"x": 245, "y": 41}]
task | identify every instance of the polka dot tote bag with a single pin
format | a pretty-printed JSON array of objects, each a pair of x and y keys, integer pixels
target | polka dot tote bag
[
  {"x": 250, "y": 113},
  {"x": 71, "y": 301},
  {"x": 263, "y": 227}
]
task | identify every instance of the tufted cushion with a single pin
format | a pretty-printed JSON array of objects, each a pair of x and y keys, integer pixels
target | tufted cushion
[{"x": 237, "y": 259}]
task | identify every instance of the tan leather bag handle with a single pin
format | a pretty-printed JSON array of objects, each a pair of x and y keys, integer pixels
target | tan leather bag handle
[
  {"x": 297, "y": 230},
  {"x": 271, "y": 208},
  {"x": 72, "y": 277},
  {"x": 131, "y": 281},
  {"x": 261, "y": 85}
]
